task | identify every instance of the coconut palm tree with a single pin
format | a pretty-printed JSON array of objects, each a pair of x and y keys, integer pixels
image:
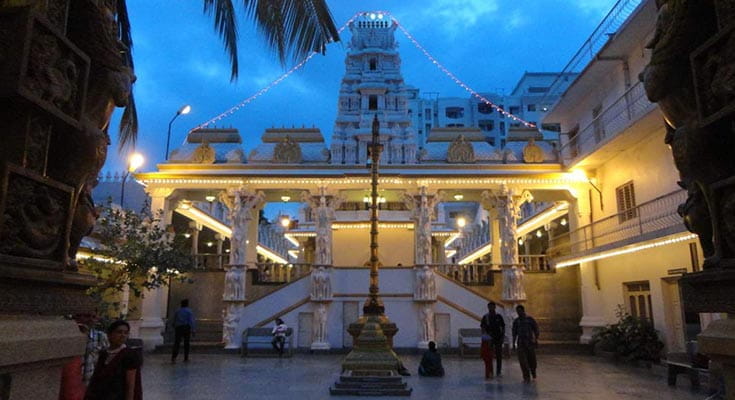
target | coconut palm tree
[{"x": 291, "y": 28}]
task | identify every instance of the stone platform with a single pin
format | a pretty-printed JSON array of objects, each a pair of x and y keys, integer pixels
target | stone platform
[{"x": 560, "y": 376}]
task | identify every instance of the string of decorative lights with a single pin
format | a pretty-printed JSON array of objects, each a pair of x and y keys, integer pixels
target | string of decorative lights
[
  {"x": 456, "y": 80},
  {"x": 410, "y": 37},
  {"x": 271, "y": 85}
]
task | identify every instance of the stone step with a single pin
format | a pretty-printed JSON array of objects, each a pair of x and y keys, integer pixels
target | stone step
[
  {"x": 370, "y": 392},
  {"x": 197, "y": 348},
  {"x": 371, "y": 379},
  {"x": 369, "y": 385}
]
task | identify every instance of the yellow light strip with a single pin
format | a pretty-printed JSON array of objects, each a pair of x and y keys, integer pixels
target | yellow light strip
[
  {"x": 565, "y": 178},
  {"x": 83, "y": 255},
  {"x": 273, "y": 256},
  {"x": 300, "y": 234},
  {"x": 293, "y": 253},
  {"x": 443, "y": 234},
  {"x": 360, "y": 225},
  {"x": 477, "y": 253},
  {"x": 452, "y": 238},
  {"x": 612, "y": 253},
  {"x": 291, "y": 239},
  {"x": 542, "y": 218},
  {"x": 449, "y": 253},
  {"x": 210, "y": 222}
]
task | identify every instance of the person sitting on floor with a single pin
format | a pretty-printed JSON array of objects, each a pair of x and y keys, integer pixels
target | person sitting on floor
[{"x": 431, "y": 362}]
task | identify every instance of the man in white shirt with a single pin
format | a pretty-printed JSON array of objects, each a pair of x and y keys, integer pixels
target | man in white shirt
[{"x": 279, "y": 336}]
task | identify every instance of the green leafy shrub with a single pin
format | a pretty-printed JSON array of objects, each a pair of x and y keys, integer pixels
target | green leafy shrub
[{"x": 631, "y": 338}]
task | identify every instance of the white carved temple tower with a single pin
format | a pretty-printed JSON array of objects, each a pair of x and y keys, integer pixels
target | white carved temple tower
[{"x": 372, "y": 85}]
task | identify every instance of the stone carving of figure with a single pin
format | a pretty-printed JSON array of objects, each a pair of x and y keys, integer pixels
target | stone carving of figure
[
  {"x": 287, "y": 151},
  {"x": 425, "y": 288},
  {"x": 320, "y": 323},
  {"x": 321, "y": 285},
  {"x": 461, "y": 151},
  {"x": 422, "y": 208},
  {"x": 513, "y": 283},
  {"x": 234, "y": 284},
  {"x": 427, "y": 323},
  {"x": 229, "y": 326},
  {"x": 532, "y": 153}
]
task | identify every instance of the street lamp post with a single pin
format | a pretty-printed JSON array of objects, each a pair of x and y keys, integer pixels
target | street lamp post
[
  {"x": 134, "y": 162},
  {"x": 183, "y": 110}
]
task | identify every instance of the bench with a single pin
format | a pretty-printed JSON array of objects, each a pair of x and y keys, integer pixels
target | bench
[
  {"x": 264, "y": 336},
  {"x": 683, "y": 363},
  {"x": 469, "y": 338}
]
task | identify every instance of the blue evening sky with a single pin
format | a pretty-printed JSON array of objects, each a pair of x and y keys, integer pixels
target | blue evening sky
[{"x": 486, "y": 43}]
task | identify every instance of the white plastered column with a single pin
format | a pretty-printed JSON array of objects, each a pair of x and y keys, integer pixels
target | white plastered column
[
  {"x": 154, "y": 303},
  {"x": 592, "y": 301}
]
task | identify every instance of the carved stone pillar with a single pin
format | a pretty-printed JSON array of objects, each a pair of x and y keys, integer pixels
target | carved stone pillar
[
  {"x": 241, "y": 203},
  {"x": 323, "y": 206},
  {"x": 321, "y": 296},
  {"x": 422, "y": 211},
  {"x": 424, "y": 296},
  {"x": 507, "y": 202}
]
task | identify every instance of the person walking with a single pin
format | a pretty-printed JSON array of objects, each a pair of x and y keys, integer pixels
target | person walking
[
  {"x": 525, "y": 340},
  {"x": 492, "y": 326},
  {"x": 117, "y": 374},
  {"x": 183, "y": 329},
  {"x": 279, "y": 336}
]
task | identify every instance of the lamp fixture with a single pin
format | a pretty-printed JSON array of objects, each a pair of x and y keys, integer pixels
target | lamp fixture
[
  {"x": 285, "y": 222},
  {"x": 563, "y": 222},
  {"x": 285, "y": 199},
  {"x": 458, "y": 196},
  {"x": 185, "y": 205},
  {"x": 539, "y": 233},
  {"x": 187, "y": 235},
  {"x": 520, "y": 241},
  {"x": 210, "y": 244},
  {"x": 210, "y": 198},
  {"x": 461, "y": 222}
]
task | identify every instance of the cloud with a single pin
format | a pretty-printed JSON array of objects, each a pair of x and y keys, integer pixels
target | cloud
[
  {"x": 515, "y": 20},
  {"x": 455, "y": 16}
]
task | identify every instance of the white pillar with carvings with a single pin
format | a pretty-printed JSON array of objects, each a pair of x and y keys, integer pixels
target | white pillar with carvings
[
  {"x": 321, "y": 296},
  {"x": 422, "y": 208},
  {"x": 323, "y": 206},
  {"x": 154, "y": 302},
  {"x": 241, "y": 203}
]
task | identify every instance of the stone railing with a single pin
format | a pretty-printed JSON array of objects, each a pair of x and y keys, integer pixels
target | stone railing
[
  {"x": 659, "y": 214},
  {"x": 271, "y": 236},
  {"x": 471, "y": 240},
  {"x": 535, "y": 263},
  {"x": 276, "y": 273},
  {"x": 482, "y": 274},
  {"x": 628, "y": 108}
]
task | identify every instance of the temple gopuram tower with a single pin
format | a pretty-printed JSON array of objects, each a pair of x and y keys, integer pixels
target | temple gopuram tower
[{"x": 373, "y": 85}]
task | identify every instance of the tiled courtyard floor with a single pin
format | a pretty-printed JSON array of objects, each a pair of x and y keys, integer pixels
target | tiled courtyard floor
[{"x": 226, "y": 376}]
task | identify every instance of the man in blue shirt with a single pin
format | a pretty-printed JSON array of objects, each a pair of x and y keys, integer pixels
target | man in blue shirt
[{"x": 183, "y": 329}]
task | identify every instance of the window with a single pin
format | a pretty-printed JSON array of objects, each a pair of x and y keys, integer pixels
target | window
[
  {"x": 514, "y": 110},
  {"x": 373, "y": 102},
  {"x": 373, "y": 64},
  {"x": 638, "y": 299},
  {"x": 420, "y": 132},
  {"x": 502, "y": 107},
  {"x": 626, "y": 202},
  {"x": 537, "y": 89},
  {"x": 454, "y": 112},
  {"x": 502, "y": 126},
  {"x": 597, "y": 123},
  {"x": 484, "y": 108},
  {"x": 455, "y": 125},
  {"x": 531, "y": 107},
  {"x": 428, "y": 128},
  {"x": 427, "y": 112},
  {"x": 486, "y": 124},
  {"x": 491, "y": 140}
]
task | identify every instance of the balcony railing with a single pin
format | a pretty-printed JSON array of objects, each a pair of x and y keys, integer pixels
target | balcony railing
[
  {"x": 628, "y": 108},
  {"x": 597, "y": 40},
  {"x": 482, "y": 274},
  {"x": 271, "y": 236},
  {"x": 472, "y": 240},
  {"x": 277, "y": 274},
  {"x": 657, "y": 215},
  {"x": 210, "y": 261}
]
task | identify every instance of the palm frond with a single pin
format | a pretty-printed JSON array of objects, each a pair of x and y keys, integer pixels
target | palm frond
[
  {"x": 128, "y": 133},
  {"x": 226, "y": 25},
  {"x": 293, "y": 28}
]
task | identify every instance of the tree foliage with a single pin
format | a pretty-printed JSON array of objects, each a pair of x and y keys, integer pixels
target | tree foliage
[
  {"x": 631, "y": 338},
  {"x": 136, "y": 252}
]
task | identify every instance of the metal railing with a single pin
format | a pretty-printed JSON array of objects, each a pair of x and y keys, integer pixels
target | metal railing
[
  {"x": 649, "y": 217},
  {"x": 628, "y": 108},
  {"x": 277, "y": 273},
  {"x": 597, "y": 40}
]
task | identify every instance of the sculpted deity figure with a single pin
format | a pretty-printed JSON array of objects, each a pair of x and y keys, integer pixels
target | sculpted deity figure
[
  {"x": 513, "y": 283},
  {"x": 426, "y": 319},
  {"x": 422, "y": 211},
  {"x": 229, "y": 325},
  {"x": 320, "y": 323},
  {"x": 234, "y": 284},
  {"x": 323, "y": 207},
  {"x": 321, "y": 286},
  {"x": 425, "y": 288}
]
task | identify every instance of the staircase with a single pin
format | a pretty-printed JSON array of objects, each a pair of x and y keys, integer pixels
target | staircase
[{"x": 366, "y": 383}]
